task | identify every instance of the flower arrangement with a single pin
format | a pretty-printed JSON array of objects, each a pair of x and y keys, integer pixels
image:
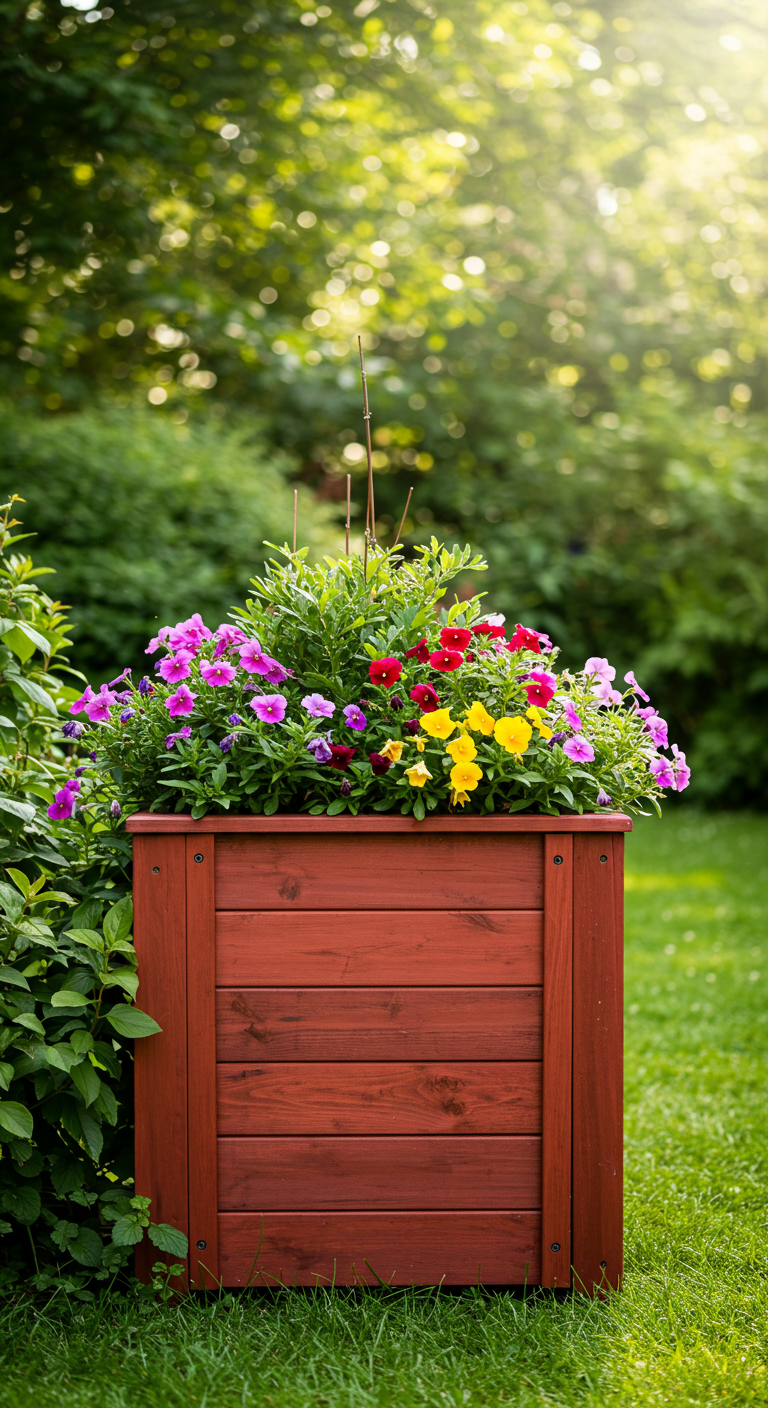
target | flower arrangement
[{"x": 343, "y": 686}]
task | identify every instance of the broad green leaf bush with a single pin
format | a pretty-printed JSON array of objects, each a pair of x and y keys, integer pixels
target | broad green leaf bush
[{"x": 68, "y": 1210}]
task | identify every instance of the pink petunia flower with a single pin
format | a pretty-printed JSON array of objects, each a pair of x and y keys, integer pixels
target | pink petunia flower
[
  {"x": 98, "y": 708},
  {"x": 578, "y": 750},
  {"x": 63, "y": 805},
  {"x": 274, "y": 672},
  {"x": 182, "y": 702},
  {"x": 540, "y": 687},
  {"x": 661, "y": 770},
  {"x": 269, "y": 708},
  {"x": 605, "y": 692},
  {"x": 571, "y": 717},
  {"x": 217, "y": 672},
  {"x": 83, "y": 702},
  {"x": 251, "y": 655},
  {"x": 158, "y": 640},
  {"x": 598, "y": 665},
  {"x": 354, "y": 717},
  {"x": 172, "y": 738},
  {"x": 317, "y": 707},
  {"x": 189, "y": 635},
  {"x": 629, "y": 679},
  {"x": 680, "y": 769},
  {"x": 656, "y": 727},
  {"x": 175, "y": 667}
]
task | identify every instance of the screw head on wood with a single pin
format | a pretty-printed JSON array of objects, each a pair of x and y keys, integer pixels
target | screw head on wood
[
  {"x": 199, "y": 858},
  {"x": 155, "y": 869},
  {"x": 603, "y": 859},
  {"x": 558, "y": 860},
  {"x": 201, "y": 1246},
  {"x": 555, "y": 1247}
]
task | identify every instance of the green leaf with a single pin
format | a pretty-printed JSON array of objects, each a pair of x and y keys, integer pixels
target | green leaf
[
  {"x": 30, "y": 1021},
  {"x": 65, "y": 998},
  {"x": 87, "y": 1247},
  {"x": 81, "y": 1041},
  {"x": 92, "y": 1135},
  {"x": 168, "y": 1239},
  {"x": 20, "y": 880},
  {"x": 61, "y": 1056},
  {"x": 12, "y": 977},
  {"x": 24, "y": 810},
  {"x": 16, "y": 1119},
  {"x": 22, "y": 1202},
  {"x": 219, "y": 774},
  {"x": 21, "y": 685},
  {"x": 118, "y": 920},
  {"x": 130, "y": 1021},
  {"x": 338, "y": 805},
  {"x": 86, "y": 1080},
  {"x": 127, "y": 1232},
  {"x": 126, "y": 978},
  {"x": 87, "y": 938},
  {"x": 418, "y": 809},
  {"x": 6, "y": 1075}
]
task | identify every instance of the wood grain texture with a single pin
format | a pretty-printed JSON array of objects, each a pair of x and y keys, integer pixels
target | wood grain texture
[
  {"x": 326, "y": 1097},
  {"x": 557, "y": 1035},
  {"x": 389, "y": 1174},
  {"x": 144, "y": 822},
  {"x": 378, "y": 1024},
  {"x": 201, "y": 1046},
  {"x": 398, "y": 1248},
  {"x": 345, "y": 948},
  {"x": 160, "y": 1062},
  {"x": 415, "y": 872},
  {"x": 597, "y": 1062}
]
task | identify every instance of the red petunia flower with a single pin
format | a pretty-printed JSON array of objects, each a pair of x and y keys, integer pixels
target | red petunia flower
[
  {"x": 455, "y": 637},
  {"x": 446, "y": 659},
  {"x": 386, "y": 672},
  {"x": 426, "y": 698},
  {"x": 341, "y": 757},
  {"x": 380, "y": 765},
  {"x": 420, "y": 651},
  {"x": 523, "y": 639},
  {"x": 539, "y": 694},
  {"x": 486, "y": 629}
]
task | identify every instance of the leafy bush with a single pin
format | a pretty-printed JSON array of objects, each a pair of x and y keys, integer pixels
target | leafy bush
[
  {"x": 213, "y": 733},
  {"x": 67, "y": 972},
  {"x": 138, "y": 517}
]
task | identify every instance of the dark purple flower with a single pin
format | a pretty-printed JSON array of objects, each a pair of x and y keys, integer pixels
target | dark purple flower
[
  {"x": 226, "y": 743},
  {"x": 234, "y": 719},
  {"x": 125, "y": 696},
  {"x": 146, "y": 686},
  {"x": 115, "y": 810},
  {"x": 93, "y": 756},
  {"x": 346, "y": 788},
  {"x": 411, "y": 726},
  {"x": 172, "y": 738},
  {"x": 320, "y": 749},
  {"x": 126, "y": 715},
  {"x": 379, "y": 765},
  {"x": 72, "y": 730},
  {"x": 556, "y": 738},
  {"x": 396, "y": 702},
  {"x": 79, "y": 771},
  {"x": 72, "y": 784},
  {"x": 603, "y": 800}
]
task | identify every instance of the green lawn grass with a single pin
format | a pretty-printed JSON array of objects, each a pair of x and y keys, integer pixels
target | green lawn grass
[{"x": 689, "y": 1327}]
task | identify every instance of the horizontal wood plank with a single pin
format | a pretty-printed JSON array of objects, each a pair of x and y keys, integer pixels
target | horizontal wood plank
[
  {"x": 327, "y": 1097},
  {"x": 379, "y": 1024},
  {"x": 398, "y": 1248},
  {"x": 344, "y": 948},
  {"x": 414, "y": 872},
  {"x": 179, "y": 821},
  {"x": 332, "y": 1175}
]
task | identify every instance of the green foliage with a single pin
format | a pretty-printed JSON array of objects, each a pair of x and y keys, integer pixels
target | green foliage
[{"x": 139, "y": 517}]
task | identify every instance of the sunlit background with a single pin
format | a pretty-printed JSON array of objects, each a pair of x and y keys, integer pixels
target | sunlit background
[{"x": 547, "y": 221}]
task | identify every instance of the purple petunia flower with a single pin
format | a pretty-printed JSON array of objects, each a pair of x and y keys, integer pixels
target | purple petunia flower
[
  {"x": 578, "y": 750},
  {"x": 98, "y": 708},
  {"x": 655, "y": 726},
  {"x": 115, "y": 810},
  {"x": 120, "y": 678},
  {"x": 227, "y": 742},
  {"x": 354, "y": 717},
  {"x": 158, "y": 640},
  {"x": 190, "y": 634},
  {"x": 661, "y": 770},
  {"x": 79, "y": 771},
  {"x": 63, "y": 805},
  {"x": 605, "y": 692},
  {"x": 227, "y": 637},
  {"x": 172, "y": 738},
  {"x": 629, "y": 679},
  {"x": 275, "y": 673},
  {"x": 72, "y": 784},
  {"x": 234, "y": 719},
  {"x": 217, "y": 672},
  {"x": 146, "y": 686},
  {"x": 72, "y": 730},
  {"x": 182, "y": 702},
  {"x": 571, "y": 717},
  {"x": 395, "y": 702},
  {"x": 411, "y": 726},
  {"x": 317, "y": 707},
  {"x": 175, "y": 667},
  {"x": 83, "y": 702},
  {"x": 556, "y": 738},
  {"x": 603, "y": 800},
  {"x": 680, "y": 769},
  {"x": 126, "y": 715},
  {"x": 269, "y": 708},
  {"x": 321, "y": 750},
  {"x": 93, "y": 756},
  {"x": 346, "y": 787}
]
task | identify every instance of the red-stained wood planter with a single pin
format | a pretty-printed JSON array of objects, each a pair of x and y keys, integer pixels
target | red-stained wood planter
[{"x": 391, "y": 1050}]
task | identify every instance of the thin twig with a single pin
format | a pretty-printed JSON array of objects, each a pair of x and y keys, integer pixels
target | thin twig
[
  {"x": 370, "y": 517},
  {"x": 405, "y": 512},
  {"x": 295, "y": 513},
  {"x": 365, "y": 555},
  {"x": 349, "y": 502}
]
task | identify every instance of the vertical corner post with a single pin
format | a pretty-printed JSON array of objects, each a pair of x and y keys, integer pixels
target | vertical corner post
[
  {"x": 201, "y": 1058},
  {"x": 160, "y": 1062},
  {"x": 598, "y": 1041},
  {"x": 556, "y": 1095}
]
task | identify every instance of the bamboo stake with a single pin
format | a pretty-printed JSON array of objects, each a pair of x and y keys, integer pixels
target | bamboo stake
[
  {"x": 349, "y": 499},
  {"x": 295, "y": 513},
  {"x": 370, "y": 517},
  {"x": 405, "y": 515}
]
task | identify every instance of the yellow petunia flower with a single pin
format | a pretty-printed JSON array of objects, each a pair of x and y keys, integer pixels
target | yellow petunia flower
[
  {"x": 418, "y": 774},
  {"x": 513, "y": 734},
  {"x": 419, "y": 745},
  {"x": 478, "y": 719},
  {"x": 458, "y": 799},
  {"x": 461, "y": 749},
  {"x": 392, "y": 750},
  {"x": 535, "y": 714},
  {"x": 438, "y": 724},
  {"x": 465, "y": 777}
]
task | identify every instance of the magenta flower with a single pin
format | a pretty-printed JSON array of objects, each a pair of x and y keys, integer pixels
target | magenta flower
[
  {"x": 251, "y": 656},
  {"x": 354, "y": 717},
  {"x": 571, "y": 717},
  {"x": 98, "y": 709},
  {"x": 605, "y": 692},
  {"x": 598, "y": 665},
  {"x": 63, "y": 805},
  {"x": 603, "y": 800},
  {"x": 175, "y": 667},
  {"x": 189, "y": 635},
  {"x": 72, "y": 784},
  {"x": 158, "y": 640},
  {"x": 680, "y": 769},
  {"x": 217, "y": 672},
  {"x": 578, "y": 750},
  {"x": 83, "y": 702},
  {"x": 661, "y": 769},
  {"x": 321, "y": 750},
  {"x": 629, "y": 679},
  {"x": 317, "y": 707},
  {"x": 182, "y": 702},
  {"x": 120, "y": 678},
  {"x": 269, "y": 708},
  {"x": 274, "y": 672},
  {"x": 172, "y": 738},
  {"x": 656, "y": 727},
  {"x": 226, "y": 638}
]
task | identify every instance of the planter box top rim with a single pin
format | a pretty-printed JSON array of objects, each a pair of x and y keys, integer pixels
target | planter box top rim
[{"x": 154, "y": 823}]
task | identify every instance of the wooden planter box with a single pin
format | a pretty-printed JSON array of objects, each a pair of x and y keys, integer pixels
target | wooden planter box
[{"x": 391, "y": 1050}]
